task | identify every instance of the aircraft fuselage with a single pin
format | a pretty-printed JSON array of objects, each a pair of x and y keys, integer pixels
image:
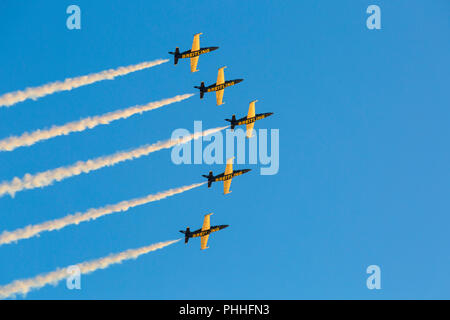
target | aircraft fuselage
[
  {"x": 222, "y": 86},
  {"x": 224, "y": 177},
  {"x": 201, "y": 233},
  {"x": 246, "y": 120},
  {"x": 192, "y": 54},
  {"x": 259, "y": 116}
]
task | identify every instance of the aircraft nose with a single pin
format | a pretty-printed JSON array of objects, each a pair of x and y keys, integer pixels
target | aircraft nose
[
  {"x": 214, "y": 48},
  {"x": 226, "y": 226},
  {"x": 239, "y": 80}
]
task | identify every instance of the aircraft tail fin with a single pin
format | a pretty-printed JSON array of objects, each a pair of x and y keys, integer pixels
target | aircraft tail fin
[
  {"x": 202, "y": 89},
  {"x": 209, "y": 177},
  {"x": 176, "y": 55},
  {"x": 232, "y": 121},
  {"x": 186, "y": 234}
]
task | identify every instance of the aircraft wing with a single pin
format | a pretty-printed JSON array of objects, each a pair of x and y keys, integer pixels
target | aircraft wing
[
  {"x": 220, "y": 80},
  {"x": 204, "y": 242},
  {"x": 250, "y": 129},
  {"x": 226, "y": 186},
  {"x": 196, "y": 42},
  {"x": 251, "y": 109},
  {"x": 220, "y": 76},
  {"x": 219, "y": 97},
  {"x": 195, "y": 47},
  {"x": 194, "y": 62},
  {"x": 206, "y": 222},
  {"x": 228, "y": 170},
  {"x": 229, "y": 167},
  {"x": 251, "y": 114}
]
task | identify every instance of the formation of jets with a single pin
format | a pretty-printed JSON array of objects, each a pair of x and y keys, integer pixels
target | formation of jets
[{"x": 248, "y": 120}]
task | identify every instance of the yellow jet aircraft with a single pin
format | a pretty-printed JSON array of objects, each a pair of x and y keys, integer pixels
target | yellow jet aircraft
[
  {"x": 204, "y": 232},
  {"x": 218, "y": 87},
  {"x": 226, "y": 176},
  {"x": 250, "y": 119},
  {"x": 193, "y": 54}
]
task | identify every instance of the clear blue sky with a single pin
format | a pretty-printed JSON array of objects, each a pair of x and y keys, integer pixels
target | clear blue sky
[{"x": 364, "y": 148}]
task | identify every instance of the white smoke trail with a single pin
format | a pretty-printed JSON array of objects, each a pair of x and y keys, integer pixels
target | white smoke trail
[
  {"x": 26, "y": 285},
  {"x": 9, "y": 99},
  {"x": 28, "y": 139},
  {"x": 91, "y": 214},
  {"x": 46, "y": 178}
]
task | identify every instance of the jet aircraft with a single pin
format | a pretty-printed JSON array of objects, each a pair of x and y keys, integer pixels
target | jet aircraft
[
  {"x": 250, "y": 119},
  {"x": 193, "y": 54},
  {"x": 204, "y": 232},
  {"x": 226, "y": 176},
  {"x": 218, "y": 87}
]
